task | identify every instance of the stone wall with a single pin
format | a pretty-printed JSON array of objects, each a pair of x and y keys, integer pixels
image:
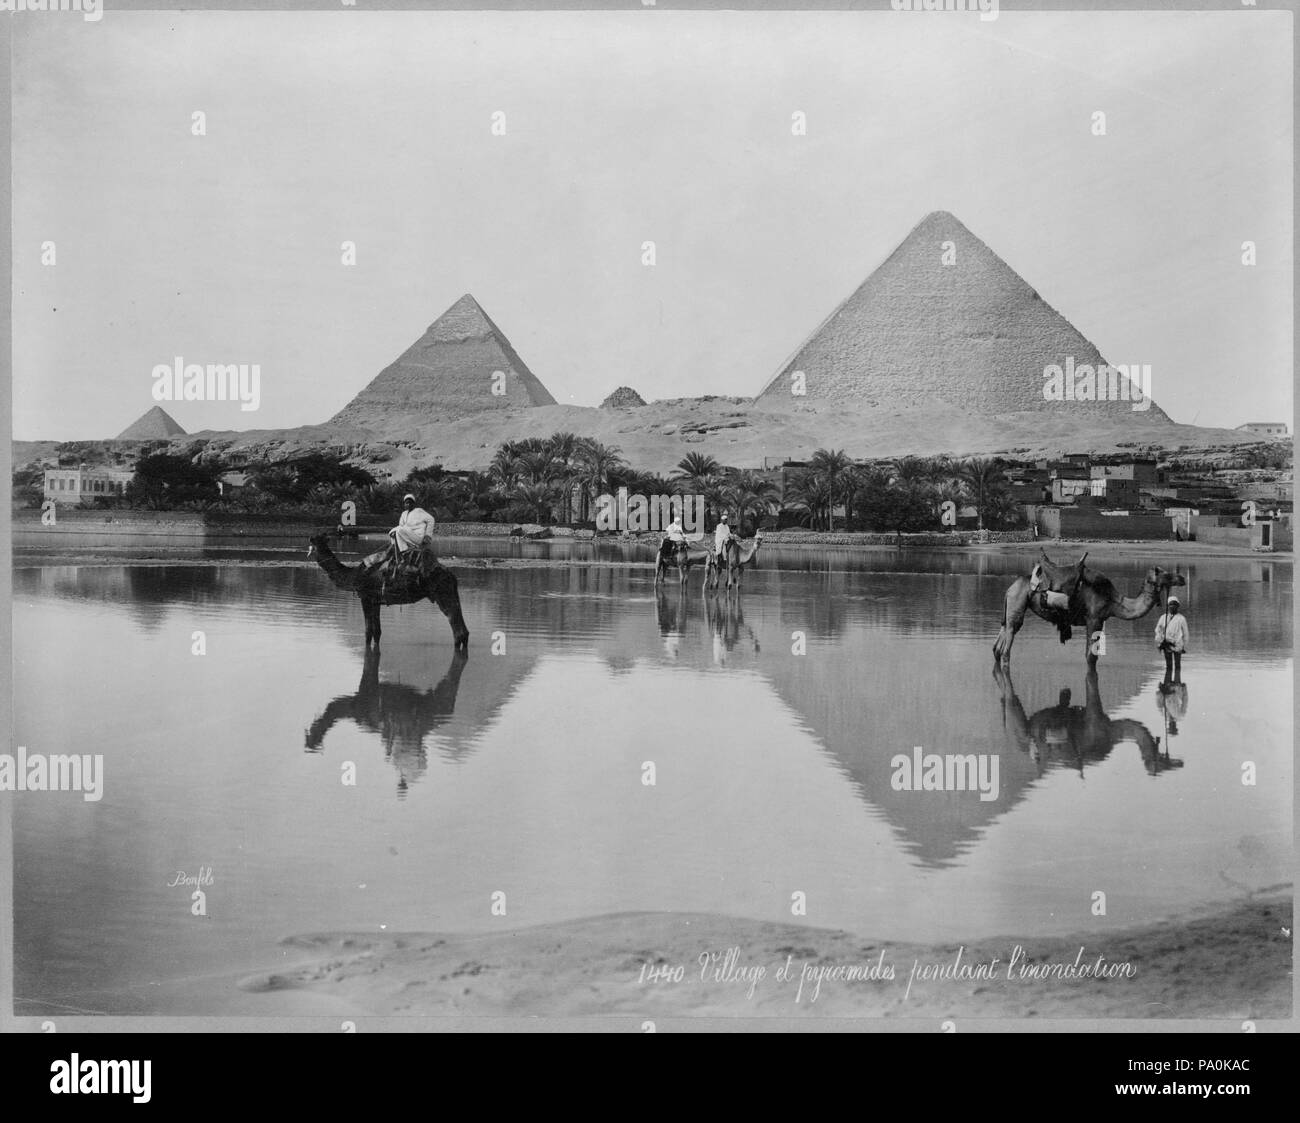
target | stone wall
[
  {"x": 1079, "y": 522},
  {"x": 871, "y": 538}
]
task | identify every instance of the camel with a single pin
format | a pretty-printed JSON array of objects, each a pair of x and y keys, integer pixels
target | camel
[
  {"x": 685, "y": 556},
  {"x": 1093, "y": 600},
  {"x": 725, "y": 620},
  {"x": 1076, "y": 735},
  {"x": 376, "y": 587},
  {"x": 402, "y": 716},
  {"x": 734, "y": 557}
]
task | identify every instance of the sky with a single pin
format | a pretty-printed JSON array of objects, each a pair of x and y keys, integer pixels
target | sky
[{"x": 622, "y": 128}]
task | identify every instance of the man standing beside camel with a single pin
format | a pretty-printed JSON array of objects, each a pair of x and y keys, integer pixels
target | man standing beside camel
[{"x": 1171, "y": 638}]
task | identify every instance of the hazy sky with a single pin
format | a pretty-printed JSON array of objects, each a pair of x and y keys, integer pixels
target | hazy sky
[{"x": 623, "y": 127}]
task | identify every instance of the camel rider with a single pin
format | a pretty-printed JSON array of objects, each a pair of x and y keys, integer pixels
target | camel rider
[
  {"x": 722, "y": 535},
  {"x": 413, "y": 529},
  {"x": 1171, "y": 638},
  {"x": 674, "y": 538}
]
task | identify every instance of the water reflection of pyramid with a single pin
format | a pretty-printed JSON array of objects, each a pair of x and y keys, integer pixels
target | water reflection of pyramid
[
  {"x": 957, "y": 698},
  {"x": 848, "y": 694},
  {"x": 840, "y": 696},
  {"x": 843, "y": 695}
]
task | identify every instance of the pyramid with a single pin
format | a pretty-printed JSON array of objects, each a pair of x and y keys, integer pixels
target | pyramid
[
  {"x": 970, "y": 334},
  {"x": 449, "y": 372},
  {"x": 623, "y": 398},
  {"x": 156, "y": 424}
]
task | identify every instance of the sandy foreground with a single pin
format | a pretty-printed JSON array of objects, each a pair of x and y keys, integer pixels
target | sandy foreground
[{"x": 1235, "y": 962}]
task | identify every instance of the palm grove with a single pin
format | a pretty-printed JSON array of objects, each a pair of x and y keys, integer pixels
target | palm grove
[{"x": 557, "y": 480}]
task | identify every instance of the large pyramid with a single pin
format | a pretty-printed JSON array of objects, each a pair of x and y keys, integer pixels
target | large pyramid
[
  {"x": 449, "y": 372},
  {"x": 155, "y": 425},
  {"x": 970, "y": 334}
]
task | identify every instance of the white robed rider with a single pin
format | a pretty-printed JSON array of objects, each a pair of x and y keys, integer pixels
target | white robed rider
[
  {"x": 413, "y": 527},
  {"x": 722, "y": 535},
  {"x": 674, "y": 534}
]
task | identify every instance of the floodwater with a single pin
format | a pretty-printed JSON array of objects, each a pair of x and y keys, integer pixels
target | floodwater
[{"x": 771, "y": 722}]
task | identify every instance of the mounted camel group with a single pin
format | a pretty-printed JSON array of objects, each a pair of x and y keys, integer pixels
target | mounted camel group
[
  {"x": 377, "y": 584},
  {"x": 1072, "y": 596},
  {"x": 731, "y": 559}
]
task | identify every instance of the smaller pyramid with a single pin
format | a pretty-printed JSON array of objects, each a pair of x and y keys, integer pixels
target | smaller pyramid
[
  {"x": 463, "y": 364},
  {"x": 623, "y": 398},
  {"x": 156, "y": 424}
]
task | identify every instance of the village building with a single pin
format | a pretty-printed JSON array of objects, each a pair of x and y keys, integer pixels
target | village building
[
  {"x": 82, "y": 484},
  {"x": 1270, "y": 429}
]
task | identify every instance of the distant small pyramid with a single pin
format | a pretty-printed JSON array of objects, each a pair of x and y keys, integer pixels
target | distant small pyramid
[
  {"x": 623, "y": 398},
  {"x": 449, "y": 372},
  {"x": 156, "y": 424},
  {"x": 942, "y": 320}
]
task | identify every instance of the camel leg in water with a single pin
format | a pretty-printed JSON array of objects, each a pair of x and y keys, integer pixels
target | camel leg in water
[
  {"x": 1013, "y": 618},
  {"x": 370, "y": 607},
  {"x": 1095, "y": 624},
  {"x": 445, "y": 593}
]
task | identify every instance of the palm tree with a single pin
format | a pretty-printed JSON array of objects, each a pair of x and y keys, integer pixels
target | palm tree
[
  {"x": 861, "y": 483},
  {"x": 830, "y": 464},
  {"x": 595, "y": 463},
  {"x": 750, "y": 493},
  {"x": 911, "y": 469},
  {"x": 696, "y": 464},
  {"x": 562, "y": 446},
  {"x": 694, "y": 472},
  {"x": 537, "y": 496},
  {"x": 807, "y": 491},
  {"x": 535, "y": 467},
  {"x": 502, "y": 470},
  {"x": 562, "y": 449},
  {"x": 1004, "y": 511},
  {"x": 983, "y": 476}
]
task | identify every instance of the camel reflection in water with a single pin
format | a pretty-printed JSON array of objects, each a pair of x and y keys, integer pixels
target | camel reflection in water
[
  {"x": 1076, "y": 736},
  {"x": 400, "y": 715},
  {"x": 724, "y": 616},
  {"x": 726, "y": 621},
  {"x": 672, "y": 620}
]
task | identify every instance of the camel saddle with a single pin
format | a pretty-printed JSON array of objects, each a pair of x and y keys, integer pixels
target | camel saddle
[
  {"x": 410, "y": 562},
  {"x": 1056, "y": 584}
]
